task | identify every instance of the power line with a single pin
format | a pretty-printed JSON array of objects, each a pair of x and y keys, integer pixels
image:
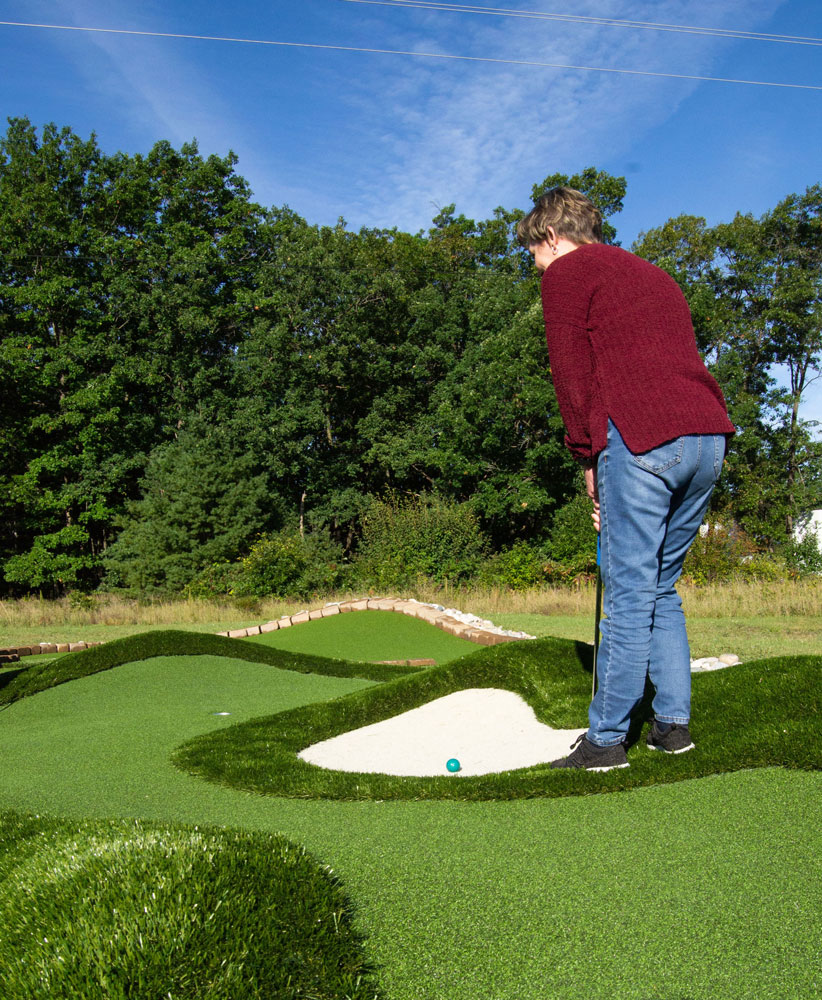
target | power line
[
  {"x": 435, "y": 5},
  {"x": 422, "y": 55}
]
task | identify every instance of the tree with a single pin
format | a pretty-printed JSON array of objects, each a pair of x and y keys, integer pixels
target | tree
[
  {"x": 754, "y": 290},
  {"x": 118, "y": 317},
  {"x": 204, "y": 501},
  {"x": 53, "y": 404},
  {"x": 792, "y": 232}
]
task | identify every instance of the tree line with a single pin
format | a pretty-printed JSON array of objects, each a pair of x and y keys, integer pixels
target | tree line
[{"x": 186, "y": 372}]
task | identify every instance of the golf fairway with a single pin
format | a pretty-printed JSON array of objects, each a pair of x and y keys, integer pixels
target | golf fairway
[{"x": 699, "y": 890}]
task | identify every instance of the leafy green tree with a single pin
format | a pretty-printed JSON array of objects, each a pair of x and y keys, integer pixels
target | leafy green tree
[
  {"x": 792, "y": 232},
  {"x": 324, "y": 349},
  {"x": 492, "y": 436},
  {"x": 117, "y": 318},
  {"x": 204, "y": 500},
  {"x": 62, "y": 412}
]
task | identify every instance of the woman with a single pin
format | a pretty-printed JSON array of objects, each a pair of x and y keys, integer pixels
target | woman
[{"x": 649, "y": 425}]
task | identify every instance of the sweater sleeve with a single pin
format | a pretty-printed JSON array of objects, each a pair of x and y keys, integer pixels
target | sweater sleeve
[{"x": 573, "y": 368}]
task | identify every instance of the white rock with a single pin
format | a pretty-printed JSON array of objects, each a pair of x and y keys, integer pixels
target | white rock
[
  {"x": 714, "y": 662},
  {"x": 469, "y": 619}
]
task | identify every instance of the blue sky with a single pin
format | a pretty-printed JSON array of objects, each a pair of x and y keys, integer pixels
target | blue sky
[{"x": 386, "y": 140}]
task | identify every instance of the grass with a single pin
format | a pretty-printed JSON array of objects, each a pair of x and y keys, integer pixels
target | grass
[
  {"x": 72, "y": 666},
  {"x": 368, "y": 635},
  {"x": 107, "y": 616},
  {"x": 735, "y": 727},
  {"x": 750, "y": 638},
  {"x": 466, "y": 900},
  {"x": 110, "y": 910}
]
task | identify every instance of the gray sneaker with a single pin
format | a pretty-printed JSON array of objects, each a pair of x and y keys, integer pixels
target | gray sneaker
[
  {"x": 671, "y": 739},
  {"x": 590, "y": 757}
]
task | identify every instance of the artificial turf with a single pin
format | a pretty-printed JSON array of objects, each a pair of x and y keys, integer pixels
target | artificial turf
[
  {"x": 736, "y": 726},
  {"x": 368, "y": 635},
  {"x": 27, "y": 681},
  {"x": 492, "y": 900},
  {"x": 112, "y": 910}
]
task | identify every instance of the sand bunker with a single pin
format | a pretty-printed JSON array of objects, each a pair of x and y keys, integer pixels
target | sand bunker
[{"x": 487, "y": 729}]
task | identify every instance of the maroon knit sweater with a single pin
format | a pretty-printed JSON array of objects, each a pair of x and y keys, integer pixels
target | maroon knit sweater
[{"x": 621, "y": 345}]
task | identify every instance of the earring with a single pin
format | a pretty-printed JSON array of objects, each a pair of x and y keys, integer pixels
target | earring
[{"x": 554, "y": 249}]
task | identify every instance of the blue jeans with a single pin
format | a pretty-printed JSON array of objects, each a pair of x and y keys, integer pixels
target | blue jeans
[{"x": 651, "y": 507}]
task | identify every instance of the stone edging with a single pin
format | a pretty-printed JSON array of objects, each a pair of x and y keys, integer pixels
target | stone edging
[
  {"x": 12, "y": 654},
  {"x": 449, "y": 620}
]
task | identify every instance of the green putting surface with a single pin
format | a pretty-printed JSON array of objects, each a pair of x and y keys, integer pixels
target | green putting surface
[
  {"x": 370, "y": 636},
  {"x": 707, "y": 889}
]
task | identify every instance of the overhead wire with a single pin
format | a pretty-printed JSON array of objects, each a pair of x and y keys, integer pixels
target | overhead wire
[
  {"x": 453, "y": 8},
  {"x": 533, "y": 64}
]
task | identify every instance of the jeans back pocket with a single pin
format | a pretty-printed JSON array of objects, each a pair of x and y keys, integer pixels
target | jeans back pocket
[{"x": 663, "y": 457}]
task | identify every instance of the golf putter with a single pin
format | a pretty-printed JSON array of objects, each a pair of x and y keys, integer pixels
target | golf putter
[{"x": 597, "y": 616}]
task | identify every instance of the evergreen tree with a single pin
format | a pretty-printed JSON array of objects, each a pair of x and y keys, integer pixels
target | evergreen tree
[{"x": 204, "y": 501}]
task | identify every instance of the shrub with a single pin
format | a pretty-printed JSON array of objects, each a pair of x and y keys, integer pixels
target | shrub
[
  {"x": 804, "y": 557},
  {"x": 573, "y": 542},
  {"x": 289, "y": 565},
  {"x": 426, "y": 537},
  {"x": 720, "y": 553},
  {"x": 216, "y": 580},
  {"x": 518, "y": 568},
  {"x": 763, "y": 567}
]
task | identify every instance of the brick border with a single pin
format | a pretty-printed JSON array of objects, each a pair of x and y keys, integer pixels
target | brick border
[
  {"x": 12, "y": 654},
  {"x": 415, "y": 609},
  {"x": 440, "y": 619}
]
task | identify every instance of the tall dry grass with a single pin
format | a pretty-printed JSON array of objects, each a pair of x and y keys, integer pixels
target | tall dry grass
[
  {"x": 754, "y": 600},
  {"x": 106, "y": 609},
  {"x": 742, "y": 599},
  {"x": 731, "y": 600}
]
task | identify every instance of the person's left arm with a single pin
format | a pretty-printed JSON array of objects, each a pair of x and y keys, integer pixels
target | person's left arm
[{"x": 565, "y": 306}]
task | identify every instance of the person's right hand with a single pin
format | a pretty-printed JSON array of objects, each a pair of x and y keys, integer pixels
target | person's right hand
[{"x": 593, "y": 493}]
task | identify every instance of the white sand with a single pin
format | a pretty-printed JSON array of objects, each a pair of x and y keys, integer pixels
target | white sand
[{"x": 486, "y": 729}]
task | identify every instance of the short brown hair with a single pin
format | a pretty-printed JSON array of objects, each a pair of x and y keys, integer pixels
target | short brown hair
[{"x": 568, "y": 212}]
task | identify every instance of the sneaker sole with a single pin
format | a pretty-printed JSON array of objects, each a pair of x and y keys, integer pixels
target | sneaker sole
[
  {"x": 653, "y": 746},
  {"x": 610, "y": 767}
]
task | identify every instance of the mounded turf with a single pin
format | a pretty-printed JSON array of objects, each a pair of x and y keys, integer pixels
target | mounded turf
[
  {"x": 40, "y": 677},
  {"x": 755, "y": 715},
  {"x": 110, "y": 910},
  {"x": 461, "y": 900},
  {"x": 369, "y": 635}
]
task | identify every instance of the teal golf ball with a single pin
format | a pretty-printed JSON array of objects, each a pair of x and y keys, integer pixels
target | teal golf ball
[{"x": 453, "y": 765}]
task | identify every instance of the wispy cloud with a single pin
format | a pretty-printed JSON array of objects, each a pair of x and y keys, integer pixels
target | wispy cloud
[
  {"x": 154, "y": 82},
  {"x": 472, "y": 133},
  {"x": 385, "y": 140}
]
